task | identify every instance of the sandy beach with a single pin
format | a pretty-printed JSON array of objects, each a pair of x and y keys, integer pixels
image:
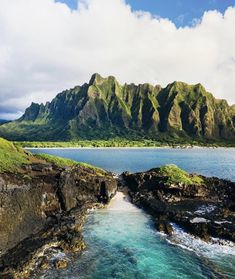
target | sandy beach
[{"x": 121, "y": 203}]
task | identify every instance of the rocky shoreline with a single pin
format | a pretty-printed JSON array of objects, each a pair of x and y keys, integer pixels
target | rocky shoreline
[
  {"x": 43, "y": 209},
  {"x": 205, "y": 209}
]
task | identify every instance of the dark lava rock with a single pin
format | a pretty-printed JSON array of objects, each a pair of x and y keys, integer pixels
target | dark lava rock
[
  {"x": 44, "y": 207},
  {"x": 204, "y": 209},
  {"x": 81, "y": 185}
]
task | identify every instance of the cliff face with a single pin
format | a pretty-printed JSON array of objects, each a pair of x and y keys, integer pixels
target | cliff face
[
  {"x": 40, "y": 194},
  {"x": 42, "y": 205},
  {"x": 104, "y": 109}
]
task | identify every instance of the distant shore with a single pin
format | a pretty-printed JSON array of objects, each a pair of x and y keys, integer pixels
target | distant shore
[
  {"x": 116, "y": 144},
  {"x": 130, "y": 147}
]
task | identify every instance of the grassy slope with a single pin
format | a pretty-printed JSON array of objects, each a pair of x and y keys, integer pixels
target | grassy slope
[
  {"x": 176, "y": 175},
  {"x": 11, "y": 156},
  {"x": 61, "y": 162}
]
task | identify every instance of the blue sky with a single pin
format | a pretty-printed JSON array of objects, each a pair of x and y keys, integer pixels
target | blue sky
[{"x": 181, "y": 12}]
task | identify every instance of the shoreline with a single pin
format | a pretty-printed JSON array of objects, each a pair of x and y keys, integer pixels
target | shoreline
[
  {"x": 135, "y": 147},
  {"x": 122, "y": 202}
]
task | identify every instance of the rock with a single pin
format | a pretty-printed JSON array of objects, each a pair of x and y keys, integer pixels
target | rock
[
  {"x": 163, "y": 225},
  {"x": 202, "y": 206},
  {"x": 61, "y": 264},
  {"x": 44, "y": 263},
  {"x": 25, "y": 205},
  {"x": 77, "y": 245},
  {"x": 46, "y": 210},
  {"x": 80, "y": 185}
]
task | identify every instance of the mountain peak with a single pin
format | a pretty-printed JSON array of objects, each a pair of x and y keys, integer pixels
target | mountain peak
[
  {"x": 96, "y": 78},
  {"x": 105, "y": 109}
]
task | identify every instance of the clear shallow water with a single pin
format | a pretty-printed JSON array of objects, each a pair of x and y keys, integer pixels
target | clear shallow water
[
  {"x": 212, "y": 162},
  {"x": 122, "y": 242}
]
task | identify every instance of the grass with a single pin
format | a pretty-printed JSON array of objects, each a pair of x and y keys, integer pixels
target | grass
[
  {"x": 58, "y": 161},
  {"x": 63, "y": 162},
  {"x": 11, "y": 157},
  {"x": 176, "y": 175}
]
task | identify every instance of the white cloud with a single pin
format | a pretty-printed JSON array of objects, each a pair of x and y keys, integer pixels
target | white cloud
[{"x": 45, "y": 47}]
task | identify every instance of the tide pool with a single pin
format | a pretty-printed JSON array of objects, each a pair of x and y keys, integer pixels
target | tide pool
[{"x": 122, "y": 242}]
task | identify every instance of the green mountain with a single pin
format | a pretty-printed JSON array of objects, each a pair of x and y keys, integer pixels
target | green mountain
[{"x": 104, "y": 109}]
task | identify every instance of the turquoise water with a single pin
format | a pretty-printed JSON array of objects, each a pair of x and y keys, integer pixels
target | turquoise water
[{"x": 122, "y": 242}]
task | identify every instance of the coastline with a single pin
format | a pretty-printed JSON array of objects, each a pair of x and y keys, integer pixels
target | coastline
[
  {"x": 122, "y": 202},
  {"x": 65, "y": 216},
  {"x": 133, "y": 147}
]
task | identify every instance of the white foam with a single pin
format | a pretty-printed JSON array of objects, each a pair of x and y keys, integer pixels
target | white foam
[
  {"x": 59, "y": 255},
  {"x": 215, "y": 248},
  {"x": 205, "y": 209},
  {"x": 222, "y": 222},
  {"x": 121, "y": 203},
  {"x": 199, "y": 220}
]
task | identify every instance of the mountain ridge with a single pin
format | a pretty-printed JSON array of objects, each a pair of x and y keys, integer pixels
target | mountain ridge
[{"x": 103, "y": 109}]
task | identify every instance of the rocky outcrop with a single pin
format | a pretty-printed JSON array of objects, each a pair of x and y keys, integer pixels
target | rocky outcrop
[
  {"x": 43, "y": 207},
  {"x": 204, "y": 207},
  {"x": 79, "y": 186},
  {"x": 104, "y": 109}
]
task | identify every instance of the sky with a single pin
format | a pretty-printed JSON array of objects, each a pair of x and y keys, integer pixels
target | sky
[
  {"x": 47, "y": 46},
  {"x": 181, "y": 12}
]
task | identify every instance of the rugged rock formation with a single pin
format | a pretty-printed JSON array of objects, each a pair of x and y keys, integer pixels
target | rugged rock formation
[
  {"x": 202, "y": 206},
  {"x": 79, "y": 186},
  {"x": 42, "y": 205},
  {"x": 44, "y": 199},
  {"x": 104, "y": 109}
]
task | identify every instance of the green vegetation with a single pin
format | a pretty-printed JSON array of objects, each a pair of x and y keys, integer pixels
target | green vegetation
[
  {"x": 176, "y": 175},
  {"x": 98, "y": 171},
  {"x": 58, "y": 161},
  {"x": 63, "y": 162},
  {"x": 11, "y": 157},
  {"x": 90, "y": 143},
  {"x": 121, "y": 142},
  {"x": 110, "y": 114}
]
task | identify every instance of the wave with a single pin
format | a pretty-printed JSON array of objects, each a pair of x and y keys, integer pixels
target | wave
[{"x": 213, "y": 249}]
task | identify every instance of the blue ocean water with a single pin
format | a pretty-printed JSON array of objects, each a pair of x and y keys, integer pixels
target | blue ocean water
[
  {"x": 218, "y": 162},
  {"x": 121, "y": 240}
]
